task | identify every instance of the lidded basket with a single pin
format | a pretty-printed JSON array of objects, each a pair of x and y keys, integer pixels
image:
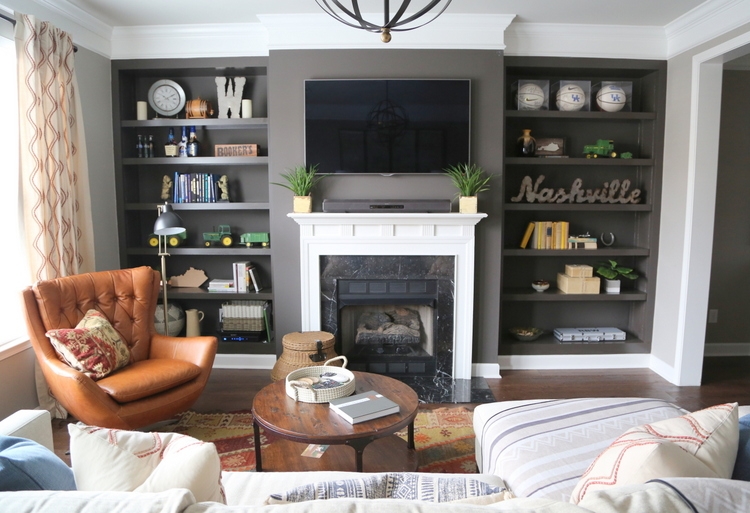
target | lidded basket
[{"x": 304, "y": 349}]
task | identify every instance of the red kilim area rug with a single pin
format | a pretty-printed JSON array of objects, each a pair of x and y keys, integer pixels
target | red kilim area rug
[{"x": 444, "y": 438}]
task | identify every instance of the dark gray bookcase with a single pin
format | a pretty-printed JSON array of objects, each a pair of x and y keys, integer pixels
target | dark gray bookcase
[
  {"x": 635, "y": 226},
  {"x": 138, "y": 180}
]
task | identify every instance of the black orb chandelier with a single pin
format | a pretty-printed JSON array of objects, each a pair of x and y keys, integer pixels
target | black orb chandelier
[{"x": 397, "y": 22}]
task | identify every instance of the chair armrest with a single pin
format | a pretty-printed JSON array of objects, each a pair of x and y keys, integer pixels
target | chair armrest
[
  {"x": 35, "y": 425},
  {"x": 197, "y": 350}
]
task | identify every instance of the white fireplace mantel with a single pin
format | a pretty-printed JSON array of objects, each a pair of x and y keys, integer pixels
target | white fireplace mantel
[{"x": 393, "y": 234}]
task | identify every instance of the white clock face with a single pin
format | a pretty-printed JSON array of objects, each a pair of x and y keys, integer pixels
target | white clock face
[{"x": 166, "y": 97}]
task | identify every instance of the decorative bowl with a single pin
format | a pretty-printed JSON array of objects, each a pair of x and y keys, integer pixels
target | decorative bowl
[
  {"x": 526, "y": 334},
  {"x": 540, "y": 285}
]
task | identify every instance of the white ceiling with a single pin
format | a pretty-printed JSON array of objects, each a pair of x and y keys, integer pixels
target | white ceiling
[{"x": 120, "y": 13}]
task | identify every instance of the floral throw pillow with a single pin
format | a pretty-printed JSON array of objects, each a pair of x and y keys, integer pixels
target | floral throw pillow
[{"x": 93, "y": 347}]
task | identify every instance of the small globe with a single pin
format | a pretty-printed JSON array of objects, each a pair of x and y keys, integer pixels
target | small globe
[{"x": 175, "y": 316}]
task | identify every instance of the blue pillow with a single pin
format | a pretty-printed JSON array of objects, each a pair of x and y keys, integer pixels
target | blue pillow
[
  {"x": 742, "y": 463},
  {"x": 27, "y": 465}
]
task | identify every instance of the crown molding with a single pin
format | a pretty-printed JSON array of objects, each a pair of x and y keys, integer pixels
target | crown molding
[
  {"x": 190, "y": 41},
  {"x": 449, "y": 31},
  {"x": 707, "y": 21},
  {"x": 300, "y": 31},
  {"x": 86, "y": 30},
  {"x": 578, "y": 40}
]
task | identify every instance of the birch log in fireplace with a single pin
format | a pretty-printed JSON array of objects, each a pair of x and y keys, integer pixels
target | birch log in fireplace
[{"x": 399, "y": 253}]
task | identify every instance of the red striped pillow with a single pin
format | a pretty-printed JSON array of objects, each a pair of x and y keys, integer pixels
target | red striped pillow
[{"x": 699, "y": 444}]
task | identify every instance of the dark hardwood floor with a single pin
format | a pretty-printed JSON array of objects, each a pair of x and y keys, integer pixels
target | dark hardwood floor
[{"x": 725, "y": 379}]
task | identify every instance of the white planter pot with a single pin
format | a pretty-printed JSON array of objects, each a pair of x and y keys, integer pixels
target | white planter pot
[{"x": 612, "y": 286}]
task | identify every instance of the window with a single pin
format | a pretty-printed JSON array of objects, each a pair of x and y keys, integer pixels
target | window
[{"x": 13, "y": 265}]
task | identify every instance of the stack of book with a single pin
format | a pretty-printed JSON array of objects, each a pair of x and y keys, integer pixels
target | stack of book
[
  {"x": 195, "y": 188},
  {"x": 221, "y": 286},
  {"x": 365, "y": 406},
  {"x": 246, "y": 277},
  {"x": 546, "y": 235}
]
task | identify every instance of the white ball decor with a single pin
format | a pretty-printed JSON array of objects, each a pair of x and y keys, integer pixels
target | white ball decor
[
  {"x": 570, "y": 98},
  {"x": 530, "y": 97},
  {"x": 611, "y": 98},
  {"x": 175, "y": 316}
]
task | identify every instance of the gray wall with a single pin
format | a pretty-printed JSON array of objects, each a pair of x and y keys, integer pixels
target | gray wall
[
  {"x": 95, "y": 88},
  {"x": 287, "y": 71},
  {"x": 17, "y": 383},
  {"x": 730, "y": 261}
]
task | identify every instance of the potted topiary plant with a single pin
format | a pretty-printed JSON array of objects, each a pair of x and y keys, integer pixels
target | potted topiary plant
[
  {"x": 611, "y": 271},
  {"x": 301, "y": 181},
  {"x": 470, "y": 180}
]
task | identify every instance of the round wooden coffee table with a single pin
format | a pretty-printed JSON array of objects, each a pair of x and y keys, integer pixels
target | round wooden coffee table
[{"x": 299, "y": 424}]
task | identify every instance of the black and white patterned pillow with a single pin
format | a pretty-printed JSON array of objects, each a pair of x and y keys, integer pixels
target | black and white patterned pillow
[{"x": 396, "y": 485}]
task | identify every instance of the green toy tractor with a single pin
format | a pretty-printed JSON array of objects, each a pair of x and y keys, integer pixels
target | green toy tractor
[
  {"x": 222, "y": 237},
  {"x": 602, "y": 148},
  {"x": 173, "y": 241}
]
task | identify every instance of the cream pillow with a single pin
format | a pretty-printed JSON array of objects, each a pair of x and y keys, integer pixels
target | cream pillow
[
  {"x": 117, "y": 460},
  {"x": 699, "y": 444}
]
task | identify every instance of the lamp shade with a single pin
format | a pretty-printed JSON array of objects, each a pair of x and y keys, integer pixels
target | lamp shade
[{"x": 168, "y": 223}]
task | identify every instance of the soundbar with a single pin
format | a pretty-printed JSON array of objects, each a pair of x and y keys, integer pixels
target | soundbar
[{"x": 438, "y": 206}]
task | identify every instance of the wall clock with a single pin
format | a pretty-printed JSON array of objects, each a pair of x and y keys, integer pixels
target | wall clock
[{"x": 166, "y": 97}]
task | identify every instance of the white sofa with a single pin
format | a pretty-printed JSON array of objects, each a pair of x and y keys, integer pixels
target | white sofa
[{"x": 519, "y": 444}]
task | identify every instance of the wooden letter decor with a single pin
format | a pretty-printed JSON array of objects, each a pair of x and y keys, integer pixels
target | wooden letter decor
[
  {"x": 229, "y": 93},
  {"x": 610, "y": 192}
]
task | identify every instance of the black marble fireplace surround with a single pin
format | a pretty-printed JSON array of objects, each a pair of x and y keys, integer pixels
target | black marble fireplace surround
[{"x": 440, "y": 387}]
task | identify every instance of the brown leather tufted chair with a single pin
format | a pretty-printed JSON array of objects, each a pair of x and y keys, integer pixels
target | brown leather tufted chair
[{"x": 166, "y": 374}]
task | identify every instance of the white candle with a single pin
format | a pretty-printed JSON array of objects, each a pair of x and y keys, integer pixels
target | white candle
[
  {"x": 247, "y": 108},
  {"x": 142, "y": 111}
]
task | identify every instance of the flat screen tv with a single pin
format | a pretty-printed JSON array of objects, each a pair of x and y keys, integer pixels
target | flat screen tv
[{"x": 387, "y": 126}]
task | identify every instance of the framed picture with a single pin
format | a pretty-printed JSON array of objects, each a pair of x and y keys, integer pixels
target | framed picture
[{"x": 550, "y": 147}]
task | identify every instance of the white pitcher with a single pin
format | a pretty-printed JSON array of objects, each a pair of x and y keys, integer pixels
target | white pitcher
[{"x": 193, "y": 322}]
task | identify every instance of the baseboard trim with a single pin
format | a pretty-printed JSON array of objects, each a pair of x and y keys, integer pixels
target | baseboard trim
[
  {"x": 578, "y": 361},
  {"x": 485, "y": 370},
  {"x": 244, "y": 361},
  {"x": 738, "y": 349}
]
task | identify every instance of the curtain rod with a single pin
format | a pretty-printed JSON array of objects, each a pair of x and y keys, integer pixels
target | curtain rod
[{"x": 13, "y": 22}]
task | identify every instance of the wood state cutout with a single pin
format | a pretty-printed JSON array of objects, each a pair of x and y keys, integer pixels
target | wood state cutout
[{"x": 192, "y": 278}]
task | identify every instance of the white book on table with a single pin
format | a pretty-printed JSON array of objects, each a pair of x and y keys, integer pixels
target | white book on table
[{"x": 365, "y": 406}]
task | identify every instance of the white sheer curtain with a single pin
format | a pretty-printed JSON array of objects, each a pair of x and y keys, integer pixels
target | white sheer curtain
[
  {"x": 52, "y": 153},
  {"x": 14, "y": 329}
]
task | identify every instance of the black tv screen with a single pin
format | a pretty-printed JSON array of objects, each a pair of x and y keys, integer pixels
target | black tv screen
[{"x": 387, "y": 126}]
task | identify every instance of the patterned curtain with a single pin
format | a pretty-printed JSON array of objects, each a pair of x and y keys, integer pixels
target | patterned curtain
[{"x": 52, "y": 155}]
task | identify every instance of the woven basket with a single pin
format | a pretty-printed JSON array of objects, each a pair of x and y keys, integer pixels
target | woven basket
[
  {"x": 300, "y": 350},
  {"x": 311, "y": 395}
]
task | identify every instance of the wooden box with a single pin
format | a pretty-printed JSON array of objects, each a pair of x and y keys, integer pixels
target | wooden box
[
  {"x": 236, "y": 150},
  {"x": 579, "y": 271},
  {"x": 577, "y": 285}
]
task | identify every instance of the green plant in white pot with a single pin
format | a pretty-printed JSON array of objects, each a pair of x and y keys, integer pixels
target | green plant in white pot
[
  {"x": 470, "y": 180},
  {"x": 611, "y": 271},
  {"x": 301, "y": 181}
]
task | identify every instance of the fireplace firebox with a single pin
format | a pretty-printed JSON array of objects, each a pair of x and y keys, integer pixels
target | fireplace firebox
[{"x": 389, "y": 326}]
